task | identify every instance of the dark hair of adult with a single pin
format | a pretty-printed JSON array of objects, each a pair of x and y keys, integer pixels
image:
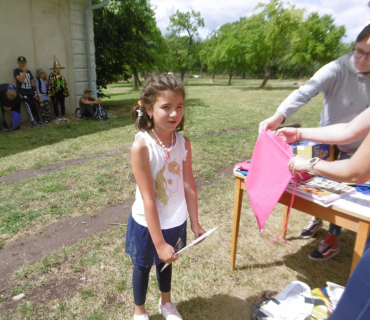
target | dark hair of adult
[
  {"x": 149, "y": 94},
  {"x": 364, "y": 34}
]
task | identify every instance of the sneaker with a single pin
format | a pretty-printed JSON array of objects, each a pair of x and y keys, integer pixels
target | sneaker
[
  {"x": 3, "y": 128},
  {"x": 64, "y": 118},
  {"x": 42, "y": 124},
  {"x": 328, "y": 249},
  {"x": 59, "y": 119},
  {"x": 94, "y": 118},
  {"x": 310, "y": 230},
  {"x": 35, "y": 124},
  {"x": 141, "y": 317},
  {"x": 49, "y": 120},
  {"x": 169, "y": 311}
]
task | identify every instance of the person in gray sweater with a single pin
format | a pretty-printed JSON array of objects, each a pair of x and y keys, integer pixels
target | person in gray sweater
[{"x": 346, "y": 86}]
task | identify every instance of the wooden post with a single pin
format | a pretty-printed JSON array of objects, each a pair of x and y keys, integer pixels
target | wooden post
[
  {"x": 238, "y": 198},
  {"x": 286, "y": 210},
  {"x": 361, "y": 237}
]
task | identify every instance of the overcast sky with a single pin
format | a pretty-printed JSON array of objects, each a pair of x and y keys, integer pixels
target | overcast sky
[{"x": 353, "y": 14}]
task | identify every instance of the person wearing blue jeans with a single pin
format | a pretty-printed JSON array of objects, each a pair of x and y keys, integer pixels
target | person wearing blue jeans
[{"x": 355, "y": 301}]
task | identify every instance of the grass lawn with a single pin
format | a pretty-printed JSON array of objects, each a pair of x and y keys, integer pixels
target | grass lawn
[{"x": 222, "y": 124}]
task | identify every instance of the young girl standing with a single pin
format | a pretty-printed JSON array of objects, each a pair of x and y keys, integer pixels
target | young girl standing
[
  {"x": 41, "y": 86},
  {"x": 58, "y": 90},
  {"x": 165, "y": 193}
]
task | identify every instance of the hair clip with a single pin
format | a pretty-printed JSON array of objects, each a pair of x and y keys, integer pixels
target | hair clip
[{"x": 139, "y": 113}]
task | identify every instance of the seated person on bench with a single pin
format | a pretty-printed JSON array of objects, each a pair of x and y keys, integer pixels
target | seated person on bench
[{"x": 88, "y": 104}]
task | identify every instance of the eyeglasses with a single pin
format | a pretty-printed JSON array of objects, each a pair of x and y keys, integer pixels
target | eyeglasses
[{"x": 359, "y": 54}]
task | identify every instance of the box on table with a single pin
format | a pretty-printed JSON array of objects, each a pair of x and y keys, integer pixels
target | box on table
[{"x": 310, "y": 149}]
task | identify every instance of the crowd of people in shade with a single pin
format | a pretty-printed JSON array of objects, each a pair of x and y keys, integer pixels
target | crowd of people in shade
[{"x": 37, "y": 94}]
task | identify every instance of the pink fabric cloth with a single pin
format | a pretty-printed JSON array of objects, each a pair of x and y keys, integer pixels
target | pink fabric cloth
[{"x": 268, "y": 175}]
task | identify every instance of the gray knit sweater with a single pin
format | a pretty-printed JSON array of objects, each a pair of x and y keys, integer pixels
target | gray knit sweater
[{"x": 346, "y": 92}]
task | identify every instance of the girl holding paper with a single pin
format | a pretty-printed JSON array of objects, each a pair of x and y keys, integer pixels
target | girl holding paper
[{"x": 165, "y": 193}]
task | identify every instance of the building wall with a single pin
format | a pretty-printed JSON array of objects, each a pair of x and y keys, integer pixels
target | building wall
[{"x": 40, "y": 29}]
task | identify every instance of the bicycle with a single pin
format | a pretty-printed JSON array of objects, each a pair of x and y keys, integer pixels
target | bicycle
[{"x": 100, "y": 112}]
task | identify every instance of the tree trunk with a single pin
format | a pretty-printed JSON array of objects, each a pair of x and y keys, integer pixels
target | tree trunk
[
  {"x": 230, "y": 76},
  {"x": 243, "y": 75},
  {"x": 213, "y": 76},
  {"x": 300, "y": 73},
  {"x": 182, "y": 72},
  {"x": 135, "y": 78},
  {"x": 266, "y": 78}
]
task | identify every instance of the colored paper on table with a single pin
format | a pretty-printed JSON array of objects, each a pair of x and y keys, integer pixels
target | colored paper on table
[
  {"x": 268, "y": 175},
  {"x": 244, "y": 165},
  {"x": 191, "y": 244}
]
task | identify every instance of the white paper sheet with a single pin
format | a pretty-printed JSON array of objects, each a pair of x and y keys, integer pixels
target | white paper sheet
[
  {"x": 355, "y": 202},
  {"x": 191, "y": 244}
]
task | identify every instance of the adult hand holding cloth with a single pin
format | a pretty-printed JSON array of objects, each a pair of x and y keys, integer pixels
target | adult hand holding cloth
[{"x": 268, "y": 175}]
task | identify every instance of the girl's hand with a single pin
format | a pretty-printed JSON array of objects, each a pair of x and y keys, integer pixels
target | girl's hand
[
  {"x": 298, "y": 163},
  {"x": 197, "y": 230},
  {"x": 288, "y": 134},
  {"x": 167, "y": 253}
]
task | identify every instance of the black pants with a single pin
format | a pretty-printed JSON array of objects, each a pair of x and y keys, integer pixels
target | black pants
[
  {"x": 140, "y": 281},
  {"x": 31, "y": 107},
  {"x": 89, "y": 110},
  {"x": 2, "y": 120},
  {"x": 59, "y": 99}
]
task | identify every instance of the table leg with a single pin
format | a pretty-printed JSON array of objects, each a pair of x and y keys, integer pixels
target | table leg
[
  {"x": 361, "y": 237},
  {"x": 238, "y": 198},
  {"x": 285, "y": 216}
]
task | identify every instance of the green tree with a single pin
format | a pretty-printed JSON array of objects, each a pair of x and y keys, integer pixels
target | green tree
[
  {"x": 127, "y": 40},
  {"x": 269, "y": 33},
  {"x": 225, "y": 49},
  {"x": 183, "y": 41},
  {"x": 316, "y": 42},
  {"x": 208, "y": 55}
]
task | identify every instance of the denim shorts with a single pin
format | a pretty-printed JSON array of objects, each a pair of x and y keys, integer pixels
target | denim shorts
[{"x": 140, "y": 247}]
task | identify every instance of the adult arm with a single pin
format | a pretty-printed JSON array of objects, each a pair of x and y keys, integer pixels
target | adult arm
[
  {"x": 355, "y": 170},
  {"x": 320, "y": 82},
  {"x": 141, "y": 169},
  {"x": 341, "y": 133},
  {"x": 191, "y": 192}
]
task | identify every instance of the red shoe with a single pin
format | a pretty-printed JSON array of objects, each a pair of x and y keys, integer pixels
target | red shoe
[{"x": 328, "y": 249}]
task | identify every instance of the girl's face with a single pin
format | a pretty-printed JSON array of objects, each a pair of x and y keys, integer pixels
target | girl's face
[
  {"x": 167, "y": 111},
  {"x": 42, "y": 75}
]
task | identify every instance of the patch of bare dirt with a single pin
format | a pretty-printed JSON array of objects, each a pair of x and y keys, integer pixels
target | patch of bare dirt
[
  {"x": 31, "y": 173},
  {"x": 49, "y": 291},
  {"x": 66, "y": 232}
]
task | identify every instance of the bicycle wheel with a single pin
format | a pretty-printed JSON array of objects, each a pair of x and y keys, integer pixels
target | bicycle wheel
[
  {"x": 78, "y": 113},
  {"x": 102, "y": 114}
]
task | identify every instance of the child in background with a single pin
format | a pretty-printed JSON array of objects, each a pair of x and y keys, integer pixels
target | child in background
[
  {"x": 25, "y": 87},
  {"x": 42, "y": 95},
  {"x": 165, "y": 192},
  {"x": 58, "y": 90}
]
